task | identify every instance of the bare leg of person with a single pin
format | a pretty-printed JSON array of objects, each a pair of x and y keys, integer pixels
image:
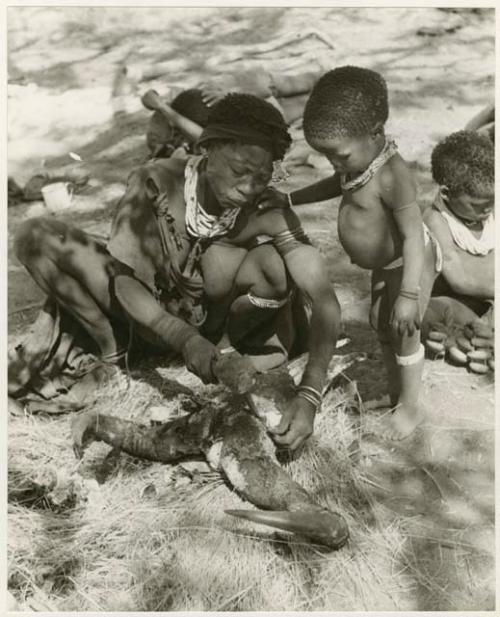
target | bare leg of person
[
  {"x": 410, "y": 359},
  {"x": 220, "y": 264},
  {"x": 408, "y": 412},
  {"x": 73, "y": 269},
  {"x": 260, "y": 289},
  {"x": 390, "y": 399},
  {"x": 379, "y": 319}
]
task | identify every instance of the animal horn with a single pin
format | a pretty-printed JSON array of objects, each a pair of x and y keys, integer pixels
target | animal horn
[{"x": 321, "y": 527}]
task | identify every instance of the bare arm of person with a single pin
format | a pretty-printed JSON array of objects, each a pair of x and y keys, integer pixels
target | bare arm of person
[
  {"x": 399, "y": 195},
  {"x": 135, "y": 242},
  {"x": 309, "y": 272},
  {"x": 468, "y": 275},
  {"x": 151, "y": 100},
  {"x": 327, "y": 188},
  {"x": 212, "y": 93},
  {"x": 485, "y": 117}
]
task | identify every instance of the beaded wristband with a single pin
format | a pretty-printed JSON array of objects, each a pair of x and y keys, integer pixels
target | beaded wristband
[
  {"x": 309, "y": 398},
  {"x": 310, "y": 394},
  {"x": 313, "y": 391}
]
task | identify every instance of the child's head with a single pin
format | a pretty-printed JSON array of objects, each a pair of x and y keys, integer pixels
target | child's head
[
  {"x": 345, "y": 115},
  {"x": 190, "y": 104},
  {"x": 464, "y": 165}
]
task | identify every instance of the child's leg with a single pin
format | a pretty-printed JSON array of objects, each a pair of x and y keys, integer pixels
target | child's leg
[
  {"x": 408, "y": 412},
  {"x": 393, "y": 377},
  {"x": 379, "y": 320},
  {"x": 410, "y": 357}
]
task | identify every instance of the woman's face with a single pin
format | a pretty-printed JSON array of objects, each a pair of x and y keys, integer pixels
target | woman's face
[{"x": 238, "y": 173}]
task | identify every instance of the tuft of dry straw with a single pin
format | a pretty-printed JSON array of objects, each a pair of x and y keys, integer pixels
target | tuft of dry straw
[{"x": 150, "y": 537}]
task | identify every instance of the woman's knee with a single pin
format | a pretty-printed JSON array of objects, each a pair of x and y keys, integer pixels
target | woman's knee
[
  {"x": 220, "y": 265},
  {"x": 33, "y": 238},
  {"x": 263, "y": 273}
]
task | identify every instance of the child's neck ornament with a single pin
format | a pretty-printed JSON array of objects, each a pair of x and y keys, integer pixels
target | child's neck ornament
[{"x": 389, "y": 150}]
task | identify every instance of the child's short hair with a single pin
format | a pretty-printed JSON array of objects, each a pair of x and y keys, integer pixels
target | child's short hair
[
  {"x": 190, "y": 104},
  {"x": 465, "y": 163},
  {"x": 348, "y": 101}
]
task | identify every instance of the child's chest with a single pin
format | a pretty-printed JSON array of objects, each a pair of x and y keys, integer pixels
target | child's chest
[{"x": 361, "y": 208}]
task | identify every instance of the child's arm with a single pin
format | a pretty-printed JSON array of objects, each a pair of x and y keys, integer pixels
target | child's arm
[
  {"x": 151, "y": 100},
  {"x": 399, "y": 195},
  {"x": 328, "y": 188}
]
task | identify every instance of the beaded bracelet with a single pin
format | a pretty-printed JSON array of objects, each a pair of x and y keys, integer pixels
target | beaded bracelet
[
  {"x": 411, "y": 295},
  {"x": 309, "y": 398},
  {"x": 310, "y": 394},
  {"x": 313, "y": 391}
]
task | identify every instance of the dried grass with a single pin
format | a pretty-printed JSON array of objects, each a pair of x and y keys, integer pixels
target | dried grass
[{"x": 112, "y": 547}]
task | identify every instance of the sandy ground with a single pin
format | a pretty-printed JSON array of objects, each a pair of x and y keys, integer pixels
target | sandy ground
[{"x": 62, "y": 72}]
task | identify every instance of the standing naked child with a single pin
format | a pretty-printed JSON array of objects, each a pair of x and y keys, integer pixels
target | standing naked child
[{"x": 379, "y": 223}]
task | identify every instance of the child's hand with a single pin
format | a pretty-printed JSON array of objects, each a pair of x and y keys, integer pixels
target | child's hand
[
  {"x": 405, "y": 316},
  {"x": 211, "y": 94},
  {"x": 272, "y": 198}
]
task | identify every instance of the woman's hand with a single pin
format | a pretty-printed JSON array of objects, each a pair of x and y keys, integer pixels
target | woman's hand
[
  {"x": 235, "y": 371},
  {"x": 200, "y": 355},
  {"x": 272, "y": 198},
  {"x": 405, "y": 316},
  {"x": 296, "y": 425}
]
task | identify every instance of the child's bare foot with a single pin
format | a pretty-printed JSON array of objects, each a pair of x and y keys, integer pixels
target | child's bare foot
[
  {"x": 378, "y": 403},
  {"x": 403, "y": 422}
]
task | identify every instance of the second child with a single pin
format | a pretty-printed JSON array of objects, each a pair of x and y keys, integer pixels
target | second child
[{"x": 380, "y": 224}]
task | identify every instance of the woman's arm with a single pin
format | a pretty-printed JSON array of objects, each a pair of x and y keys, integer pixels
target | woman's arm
[{"x": 309, "y": 273}]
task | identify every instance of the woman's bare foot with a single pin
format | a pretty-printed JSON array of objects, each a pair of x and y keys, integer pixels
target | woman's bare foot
[
  {"x": 382, "y": 402},
  {"x": 402, "y": 422}
]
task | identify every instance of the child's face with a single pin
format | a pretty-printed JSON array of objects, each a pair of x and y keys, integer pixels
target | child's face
[
  {"x": 349, "y": 155},
  {"x": 469, "y": 208}
]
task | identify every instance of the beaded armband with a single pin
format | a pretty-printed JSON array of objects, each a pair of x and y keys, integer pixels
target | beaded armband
[{"x": 288, "y": 240}]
